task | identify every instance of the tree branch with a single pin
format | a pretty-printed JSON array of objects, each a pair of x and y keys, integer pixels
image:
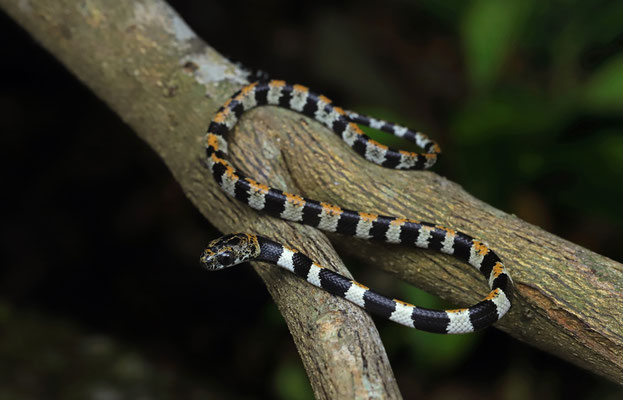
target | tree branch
[
  {"x": 149, "y": 67},
  {"x": 152, "y": 70}
]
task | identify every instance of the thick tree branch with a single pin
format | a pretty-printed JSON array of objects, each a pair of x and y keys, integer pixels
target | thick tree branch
[
  {"x": 163, "y": 81},
  {"x": 150, "y": 68}
]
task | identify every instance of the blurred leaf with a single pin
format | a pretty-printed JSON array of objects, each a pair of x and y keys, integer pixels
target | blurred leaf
[
  {"x": 572, "y": 185},
  {"x": 601, "y": 20},
  {"x": 511, "y": 112},
  {"x": 611, "y": 149},
  {"x": 490, "y": 29},
  {"x": 530, "y": 164},
  {"x": 272, "y": 316},
  {"x": 604, "y": 90},
  {"x": 5, "y": 312},
  {"x": 290, "y": 381},
  {"x": 448, "y": 11}
]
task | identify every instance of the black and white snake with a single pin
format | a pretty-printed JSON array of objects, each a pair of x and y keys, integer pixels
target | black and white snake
[{"x": 233, "y": 249}]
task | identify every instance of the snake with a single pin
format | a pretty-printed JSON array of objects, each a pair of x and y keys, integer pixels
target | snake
[{"x": 233, "y": 249}]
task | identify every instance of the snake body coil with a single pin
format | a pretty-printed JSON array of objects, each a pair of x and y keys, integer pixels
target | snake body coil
[{"x": 233, "y": 249}]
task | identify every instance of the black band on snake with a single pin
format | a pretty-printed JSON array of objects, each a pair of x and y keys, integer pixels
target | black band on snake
[{"x": 234, "y": 249}]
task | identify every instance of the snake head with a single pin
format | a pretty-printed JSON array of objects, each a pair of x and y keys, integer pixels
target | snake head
[{"x": 230, "y": 250}]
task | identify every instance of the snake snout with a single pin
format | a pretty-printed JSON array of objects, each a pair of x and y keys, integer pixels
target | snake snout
[
  {"x": 209, "y": 260},
  {"x": 215, "y": 259}
]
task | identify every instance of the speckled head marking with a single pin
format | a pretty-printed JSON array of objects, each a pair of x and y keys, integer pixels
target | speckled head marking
[{"x": 230, "y": 250}]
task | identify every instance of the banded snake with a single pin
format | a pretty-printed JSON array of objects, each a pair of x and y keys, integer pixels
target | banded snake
[{"x": 233, "y": 249}]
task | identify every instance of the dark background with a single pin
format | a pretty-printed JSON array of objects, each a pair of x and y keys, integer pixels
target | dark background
[{"x": 101, "y": 293}]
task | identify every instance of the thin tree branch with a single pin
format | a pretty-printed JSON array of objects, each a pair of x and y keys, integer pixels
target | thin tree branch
[{"x": 163, "y": 81}]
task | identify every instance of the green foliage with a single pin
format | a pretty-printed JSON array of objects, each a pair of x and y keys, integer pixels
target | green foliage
[
  {"x": 549, "y": 119},
  {"x": 290, "y": 381},
  {"x": 490, "y": 29},
  {"x": 502, "y": 115},
  {"x": 604, "y": 89}
]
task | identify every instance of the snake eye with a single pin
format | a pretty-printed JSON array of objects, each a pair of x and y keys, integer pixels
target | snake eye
[
  {"x": 234, "y": 241},
  {"x": 225, "y": 259}
]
